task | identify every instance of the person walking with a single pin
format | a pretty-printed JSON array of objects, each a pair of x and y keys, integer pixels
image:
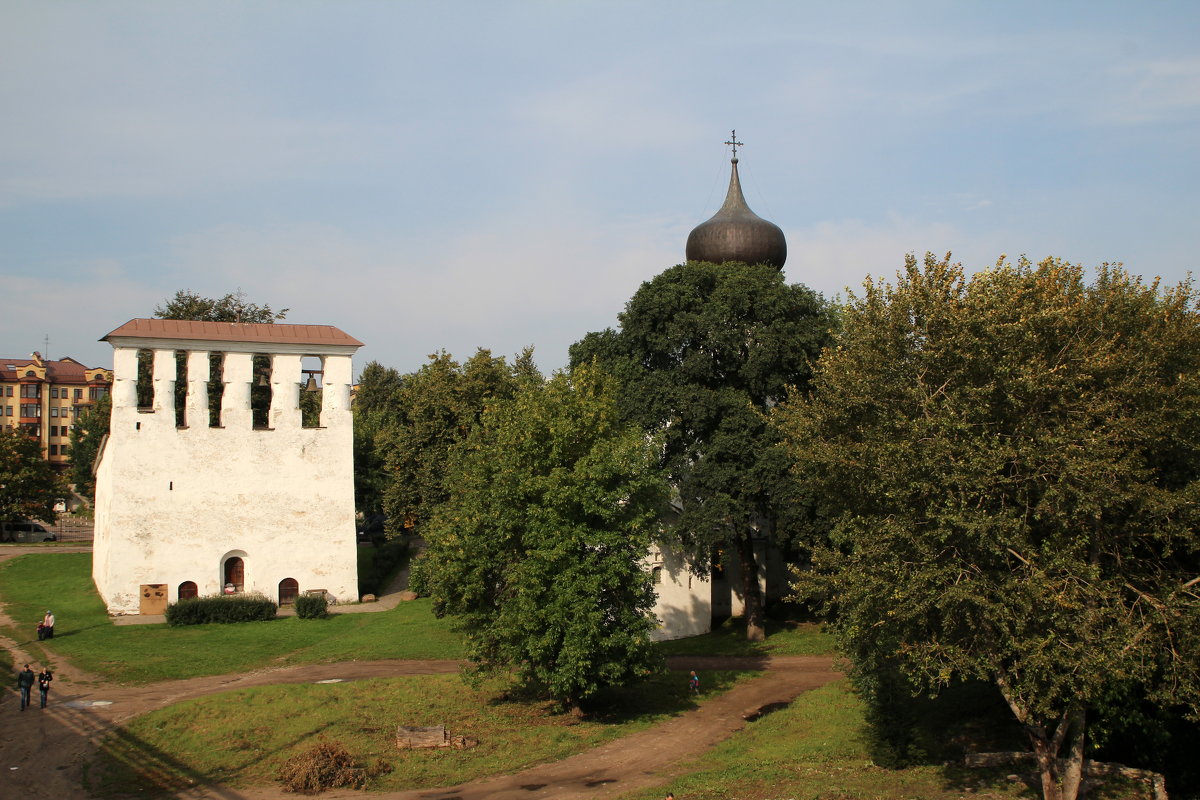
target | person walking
[
  {"x": 24, "y": 684},
  {"x": 48, "y": 624},
  {"x": 694, "y": 682},
  {"x": 44, "y": 677}
]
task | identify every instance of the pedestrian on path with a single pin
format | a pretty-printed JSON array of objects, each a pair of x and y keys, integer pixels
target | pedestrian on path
[
  {"x": 694, "y": 683},
  {"x": 48, "y": 624},
  {"x": 44, "y": 677},
  {"x": 24, "y": 684}
]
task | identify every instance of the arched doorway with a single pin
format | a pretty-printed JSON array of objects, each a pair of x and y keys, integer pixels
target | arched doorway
[
  {"x": 235, "y": 573},
  {"x": 188, "y": 591},
  {"x": 289, "y": 590}
]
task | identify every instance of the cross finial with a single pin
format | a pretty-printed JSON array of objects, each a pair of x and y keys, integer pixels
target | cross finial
[{"x": 734, "y": 143}]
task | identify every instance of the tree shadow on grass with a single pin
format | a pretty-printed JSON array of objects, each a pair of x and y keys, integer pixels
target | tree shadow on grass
[{"x": 128, "y": 766}]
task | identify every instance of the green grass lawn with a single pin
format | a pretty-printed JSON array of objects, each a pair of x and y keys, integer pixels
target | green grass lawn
[
  {"x": 784, "y": 638},
  {"x": 137, "y": 654},
  {"x": 242, "y": 738},
  {"x": 816, "y": 749}
]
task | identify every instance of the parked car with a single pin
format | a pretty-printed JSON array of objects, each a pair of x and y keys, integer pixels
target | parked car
[{"x": 25, "y": 531}]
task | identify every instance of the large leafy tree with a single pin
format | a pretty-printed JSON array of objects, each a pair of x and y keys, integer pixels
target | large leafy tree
[
  {"x": 29, "y": 486},
  {"x": 1011, "y": 462},
  {"x": 704, "y": 351},
  {"x": 539, "y": 550},
  {"x": 87, "y": 433},
  {"x": 232, "y": 307},
  {"x": 438, "y": 405},
  {"x": 376, "y": 406}
]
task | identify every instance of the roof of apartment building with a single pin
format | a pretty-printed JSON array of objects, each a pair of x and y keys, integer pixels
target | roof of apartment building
[{"x": 64, "y": 370}]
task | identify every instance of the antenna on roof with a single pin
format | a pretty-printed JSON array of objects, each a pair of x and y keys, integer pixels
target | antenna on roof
[{"x": 46, "y": 347}]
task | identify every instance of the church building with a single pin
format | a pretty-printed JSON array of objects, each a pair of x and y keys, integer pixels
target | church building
[
  {"x": 687, "y": 604},
  {"x": 212, "y": 479}
]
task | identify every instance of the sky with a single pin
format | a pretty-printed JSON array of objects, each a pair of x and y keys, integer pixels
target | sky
[{"x": 452, "y": 175}]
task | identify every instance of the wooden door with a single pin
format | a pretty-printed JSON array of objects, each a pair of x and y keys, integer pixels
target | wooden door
[
  {"x": 289, "y": 590},
  {"x": 235, "y": 573},
  {"x": 154, "y": 599}
]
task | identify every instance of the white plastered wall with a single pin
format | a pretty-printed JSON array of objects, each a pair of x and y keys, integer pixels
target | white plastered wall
[
  {"x": 683, "y": 604},
  {"x": 172, "y": 503}
]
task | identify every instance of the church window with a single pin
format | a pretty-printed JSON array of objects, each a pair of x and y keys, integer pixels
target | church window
[
  {"x": 181, "y": 374},
  {"x": 260, "y": 392},
  {"x": 235, "y": 574},
  {"x": 187, "y": 590},
  {"x": 312, "y": 391},
  {"x": 145, "y": 381},
  {"x": 216, "y": 388}
]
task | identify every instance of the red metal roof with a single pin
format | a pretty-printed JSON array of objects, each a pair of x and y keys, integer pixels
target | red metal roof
[{"x": 277, "y": 333}]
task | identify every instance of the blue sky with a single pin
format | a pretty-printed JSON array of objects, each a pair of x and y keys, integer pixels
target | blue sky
[{"x": 453, "y": 175}]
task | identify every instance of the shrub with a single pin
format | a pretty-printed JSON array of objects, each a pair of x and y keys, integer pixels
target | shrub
[
  {"x": 312, "y": 606},
  {"x": 328, "y": 765},
  {"x": 221, "y": 608}
]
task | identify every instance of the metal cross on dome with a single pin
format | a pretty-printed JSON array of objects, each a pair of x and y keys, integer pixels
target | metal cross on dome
[{"x": 733, "y": 142}]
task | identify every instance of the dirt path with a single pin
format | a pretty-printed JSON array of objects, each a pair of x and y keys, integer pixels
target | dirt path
[{"x": 43, "y": 753}]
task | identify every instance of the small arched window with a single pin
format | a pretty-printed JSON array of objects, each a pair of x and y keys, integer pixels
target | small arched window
[
  {"x": 235, "y": 574},
  {"x": 187, "y": 590},
  {"x": 656, "y": 576}
]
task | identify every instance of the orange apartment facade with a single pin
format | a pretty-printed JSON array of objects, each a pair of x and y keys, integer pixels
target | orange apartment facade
[{"x": 43, "y": 398}]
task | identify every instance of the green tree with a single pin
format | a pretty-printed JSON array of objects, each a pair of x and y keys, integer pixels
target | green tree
[
  {"x": 89, "y": 430},
  {"x": 704, "y": 351},
  {"x": 539, "y": 550},
  {"x": 1011, "y": 462},
  {"x": 29, "y": 486},
  {"x": 439, "y": 404},
  {"x": 376, "y": 406},
  {"x": 233, "y": 307}
]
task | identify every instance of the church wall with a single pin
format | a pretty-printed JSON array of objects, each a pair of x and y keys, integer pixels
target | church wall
[
  {"x": 173, "y": 503},
  {"x": 683, "y": 606}
]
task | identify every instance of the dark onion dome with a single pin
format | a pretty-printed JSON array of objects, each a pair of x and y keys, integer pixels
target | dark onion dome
[{"x": 735, "y": 233}]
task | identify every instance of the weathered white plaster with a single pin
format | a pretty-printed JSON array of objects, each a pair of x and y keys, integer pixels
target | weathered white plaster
[
  {"x": 683, "y": 604},
  {"x": 173, "y": 503}
]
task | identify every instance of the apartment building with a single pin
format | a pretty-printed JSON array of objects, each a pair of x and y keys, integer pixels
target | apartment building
[{"x": 44, "y": 397}]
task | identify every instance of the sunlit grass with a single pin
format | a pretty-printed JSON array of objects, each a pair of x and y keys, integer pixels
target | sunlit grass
[
  {"x": 136, "y": 654},
  {"x": 242, "y": 738}
]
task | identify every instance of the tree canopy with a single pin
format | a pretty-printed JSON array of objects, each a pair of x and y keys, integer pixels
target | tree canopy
[
  {"x": 539, "y": 549},
  {"x": 376, "y": 406},
  {"x": 1011, "y": 464},
  {"x": 87, "y": 433},
  {"x": 435, "y": 408},
  {"x": 704, "y": 351},
  {"x": 29, "y": 486},
  {"x": 233, "y": 307}
]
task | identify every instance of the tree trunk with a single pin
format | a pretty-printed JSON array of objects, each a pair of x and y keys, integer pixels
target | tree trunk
[
  {"x": 1047, "y": 762},
  {"x": 752, "y": 598},
  {"x": 1073, "y": 773}
]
